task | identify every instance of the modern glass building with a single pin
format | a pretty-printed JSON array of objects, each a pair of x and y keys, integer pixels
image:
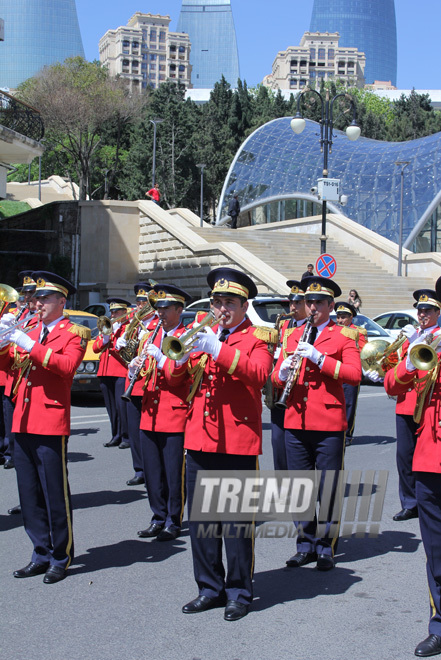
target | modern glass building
[
  {"x": 368, "y": 25},
  {"x": 37, "y": 33},
  {"x": 274, "y": 170},
  {"x": 210, "y": 25}
]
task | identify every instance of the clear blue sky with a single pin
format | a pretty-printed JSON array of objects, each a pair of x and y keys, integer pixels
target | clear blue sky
[{"x": 264, "y": 27}]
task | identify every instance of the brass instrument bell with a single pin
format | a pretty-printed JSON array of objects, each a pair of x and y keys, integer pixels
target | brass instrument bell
[
  {"x": 423, "y": 355},
  {"x": 7, "y": 295},
  {"x": 175, "y": 348}
]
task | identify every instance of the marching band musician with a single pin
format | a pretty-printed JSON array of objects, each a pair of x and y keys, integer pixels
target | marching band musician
[
  {"x": 112, "y": 373},
  {"x": 47, "y": 358},
  {"x": 149, "y": 321},
  {"x": 297, "y": 309},
  {"x": 229, "y": 366},
  {"x": 315, "y": 420},
  {"x": 426, "y": 463},
  {"x": 346, "y": 313},
  {"x": 163, "y": 415}
]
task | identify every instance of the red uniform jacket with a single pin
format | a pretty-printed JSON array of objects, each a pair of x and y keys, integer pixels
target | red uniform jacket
[
  {"x": 225, "y": 415},
  {"x": 317, "y": 402},
  {"x": 164, "y": 406},
  {"x": 43, "y": 397},
  {"x": 427, "y": 455},
  {"x": 110, "y": 361},
  {"x": 11, "y": 375},
  {"x": 138, "y": 386}
]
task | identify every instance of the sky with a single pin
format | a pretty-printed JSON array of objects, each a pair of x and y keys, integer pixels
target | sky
[{"x": 265, "y": 27}]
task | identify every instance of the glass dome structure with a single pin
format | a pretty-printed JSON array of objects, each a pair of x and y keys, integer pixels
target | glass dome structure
[{"x": 274, "y": 170}]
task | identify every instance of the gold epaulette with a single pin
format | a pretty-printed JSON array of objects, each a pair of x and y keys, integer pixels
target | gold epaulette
[
  {"x": 65, "y": 313},
  {"x": 268, "y": 335},
  {"x": 81, "y": 331},
  {"x": 201, "y": 314},
  {"x": 352, "y": 333},
  {"x": 362, "y": 331}
]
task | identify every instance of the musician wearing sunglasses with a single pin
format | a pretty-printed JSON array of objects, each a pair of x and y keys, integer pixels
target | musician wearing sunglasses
[
  {"x": 316, "y": 361},
  {"x": 46, "y": 359},
  {"x": 419, "y": 370}
]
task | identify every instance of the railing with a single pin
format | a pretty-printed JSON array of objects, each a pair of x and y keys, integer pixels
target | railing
[{"x": 20, "y": 117}]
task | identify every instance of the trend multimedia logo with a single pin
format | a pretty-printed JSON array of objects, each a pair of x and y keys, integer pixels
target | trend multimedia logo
[{"x": 229, "y": 503}]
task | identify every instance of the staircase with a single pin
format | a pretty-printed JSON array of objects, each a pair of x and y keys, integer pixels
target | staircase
[{"x": 289, "y": 254}]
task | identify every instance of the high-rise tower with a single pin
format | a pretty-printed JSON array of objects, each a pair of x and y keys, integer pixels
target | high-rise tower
[
  {"x": 210, "y": 25},
  {"x": 37, "y": 33},
  {"x": 368, "y": 25}
]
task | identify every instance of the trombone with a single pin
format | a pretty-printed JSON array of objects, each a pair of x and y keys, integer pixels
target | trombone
[
  {"x": 175, "y": 348},
  {"x": 104, "y": 324}
]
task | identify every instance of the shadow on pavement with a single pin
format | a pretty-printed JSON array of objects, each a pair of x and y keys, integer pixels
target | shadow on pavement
[
  {"x": 364, "y": 548},
  {"x": 78, "y": 456},
  {"x": 85, "y": 431},
  {"x": 106, "y": 497},
  {"x": 376, "y": 440},
  {"x": 8, "y": 522}
]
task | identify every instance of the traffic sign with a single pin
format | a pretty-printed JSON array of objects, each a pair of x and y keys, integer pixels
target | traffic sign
[{"x": 326, "y": 265}]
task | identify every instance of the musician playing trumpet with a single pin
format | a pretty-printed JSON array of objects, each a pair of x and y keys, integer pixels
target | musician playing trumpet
[{"x": 315, "y": 418}]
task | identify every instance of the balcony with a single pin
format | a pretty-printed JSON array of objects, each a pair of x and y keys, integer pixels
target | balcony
[{"x": 20, "y": 117}]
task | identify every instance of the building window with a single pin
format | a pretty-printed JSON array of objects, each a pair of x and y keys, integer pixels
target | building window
[
  {"x": 152, "y": 67},
  {"x": 302, "y": 82},
  {"x": 173, "y": 49},
  {"x": 330, "y": 54},
  {"x": 135, "y": 64},
  {"x": 181, "y": 67},
  {"x": 152, "y": 57},
  {"x": 125, "y": 63},
  {"x": 172, "y": 67},
  {"x": 162, "y": 67},
  {"x": 162, "y": 77},
  {"x": 321, "y": 53},
  {"x": 181, "y": 49},
  {"x": 135, "y": 44},
  {"x": 153, "y": 35},
  {"x": 152, "y": 76},
  {"x": 143, "y": 66},
  {"x": 162, "y": 36},
  {"x": 126, "y": 44},
  {"x": 162, "y": 58},
  {"x": 312, "y": 53}
]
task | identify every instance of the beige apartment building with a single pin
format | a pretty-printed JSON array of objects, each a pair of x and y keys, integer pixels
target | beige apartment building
[
  {"x": 146, "y": 53},
  {"x": 318, "y": 58}
]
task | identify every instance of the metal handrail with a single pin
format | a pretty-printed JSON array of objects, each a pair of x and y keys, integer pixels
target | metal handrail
[{"x": 20, "y": 117}]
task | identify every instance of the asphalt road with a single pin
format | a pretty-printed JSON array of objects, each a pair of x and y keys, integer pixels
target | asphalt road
[{"x": 123, "y": 596}]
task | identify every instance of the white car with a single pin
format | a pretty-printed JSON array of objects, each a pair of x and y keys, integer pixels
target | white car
[
  {"x": 394, "y": 322},
  {"x": 262, "y": 310}
]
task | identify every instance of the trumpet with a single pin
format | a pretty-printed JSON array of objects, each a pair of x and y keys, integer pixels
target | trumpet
[
  {"x": 104, "y": 324},
  {"x": 378, "y": 355},
  {"x": 296, "y": 365},
  {"x": 423, "y": 355},
  {"x": 175, "y": 348}
]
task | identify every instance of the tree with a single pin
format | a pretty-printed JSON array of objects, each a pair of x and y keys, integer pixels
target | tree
[{"x": 76, "y": 100}]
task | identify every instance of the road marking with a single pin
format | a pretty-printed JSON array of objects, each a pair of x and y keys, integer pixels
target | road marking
[
  {"x": 92, "y": 420},
  {"x": 88, "y": 416},
  {"x": 366, "y": 396}
]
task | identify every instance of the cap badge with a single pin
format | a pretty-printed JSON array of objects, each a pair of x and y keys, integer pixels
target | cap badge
[
  {"x": 141, "y": 292},
  {"x": 423, "y": 298},
  {"x": 28, "y": 280},
  {"x": 222, "y": 284},
  {"x": 315, "y": 286},
  {"x": 161, "y": 295},
  {"x": 341, "y": 308},
  {"x": 41, "y": 282},
  {"x": 295, "y": 289}
]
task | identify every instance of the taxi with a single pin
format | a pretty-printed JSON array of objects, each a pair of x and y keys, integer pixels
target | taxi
[{"x": 85, "y": 379}]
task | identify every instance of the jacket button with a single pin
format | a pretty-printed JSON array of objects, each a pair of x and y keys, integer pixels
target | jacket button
[
  {"x": 410, "y": 389},
  {"x": 26, "y": 400},
  {"x": 33, "y": 368},
  {"x": 206, "y": 413},
  {"x": 305, "y": 398},
  {"x": 306, "y": 384},
  {"x": 156, "y": 388},
  {"x": 246, "y": 419},
  {"x": 208, "y": 394},
  {"x": 155, "y": 401},
  {"x": 29, "y": 384},
  {"x": 55, "y": 401},
  {"x": 210, "y": 377},
  {"x": 306, "y": 368}
]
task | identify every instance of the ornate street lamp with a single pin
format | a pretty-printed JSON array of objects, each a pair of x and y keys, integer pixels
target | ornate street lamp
[{"x": 326, "y": 127}]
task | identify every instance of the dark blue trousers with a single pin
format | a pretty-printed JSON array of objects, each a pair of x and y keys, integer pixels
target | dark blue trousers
[
  {"x": 351, "y": 397},
  {"x": 406, "y": 441},
  {"x": 317, "y": 450},
  {"x": 133, "y": 422},
  {"x": 278, "y": 439},
  {"x": 112, "y": 388},
  {"x": 41, "y": 465},
  {"x": 8, "y": 412},
  {"x": 428, "y": 497},
  {"x": 163, "y": 465},
  {"x": 209, "y": 571}
]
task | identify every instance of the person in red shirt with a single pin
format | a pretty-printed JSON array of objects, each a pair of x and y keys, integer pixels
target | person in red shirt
[
  {"x": 315, "y": 419},
  {"x": 47, "y": 358},
  {"x": 154, "y": 193}
]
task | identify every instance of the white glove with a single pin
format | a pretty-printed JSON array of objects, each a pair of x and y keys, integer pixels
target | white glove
[
  {"x": 411, "y": 332},
  {"x": 106, "y": 339},
  {"x": 183, "y": 359},
  {"x": 7, "y": 320},
  {"x": 207, "y": 342},
  {"x": 373, "y": 376},
  {"x": 156, "y": 353},
  {"x": 409, "y": 365},
  {"x": 277, "y": 353},
  {"x": 121, "y": 342},
  {"x": 116, "y": 326},
  {"x": 284, "y": 368},
  {"x": 308, "y": 351},
  {"x": 21, "y": 339}
]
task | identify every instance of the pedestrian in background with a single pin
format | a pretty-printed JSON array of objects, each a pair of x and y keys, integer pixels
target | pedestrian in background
[
  {"x": 354, "y": 299},
  {"x": 154, "y": 193},
  {"x": 234, "y": 211},
  {"x": 309, "y": 272}
]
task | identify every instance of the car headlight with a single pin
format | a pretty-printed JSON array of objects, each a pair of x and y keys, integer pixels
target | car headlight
[
  {"x": 80, "y": 368},
  {"x": 90, "y": 367}
]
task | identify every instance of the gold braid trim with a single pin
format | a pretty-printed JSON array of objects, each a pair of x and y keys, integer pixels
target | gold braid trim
[
  {"x": 287, "y": 334},
  {"x": 147, "y": 373},
  {"x": 268, "y": 335},
  {"x": 21, "y": 363},
  {"x": 81, "y": 331},
  {"x": 352, "y": 333},
  {"x": 197, "y": 371}
]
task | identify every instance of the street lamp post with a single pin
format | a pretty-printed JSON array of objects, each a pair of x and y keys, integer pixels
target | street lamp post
[
  {"x": 154, "y": 122},
  {"x": 326, "y": 127},
  {"x": 404, "y": 164},
  {"x": 201, "y": 166}
]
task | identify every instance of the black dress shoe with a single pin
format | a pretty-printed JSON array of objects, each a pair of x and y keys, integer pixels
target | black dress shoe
[
  {"x": 301, "y": 558},
  {"x": 235, "y": 610},
  {"x": 152, "y": 530},
  {"x": 169, "y": 533},
  {"x": 54, "y": 574},
  {"x": 112, "y": 443},
  {"x": 406, "y": 514},
  {"x": 203, "y": 603},
  {"x": 124, "y": 445},
  {"x": 15, "y": 510},
  {"x": 325, "y": 562},
  {"x": 9, "y": 464},
  {"x": 430, "y": 646},
  {"x": 135, "y": 481},
  {"x": 31, "y": 569}
]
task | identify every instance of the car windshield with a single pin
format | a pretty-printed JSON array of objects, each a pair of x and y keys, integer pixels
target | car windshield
[
  {"x": 372, "y": 328},
  {"x": 88, "y": 321},
  {"x": 269, "y": 310}
]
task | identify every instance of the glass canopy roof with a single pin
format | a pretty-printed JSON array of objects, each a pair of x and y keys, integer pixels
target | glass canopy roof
[{"x": 275, "y": 164}]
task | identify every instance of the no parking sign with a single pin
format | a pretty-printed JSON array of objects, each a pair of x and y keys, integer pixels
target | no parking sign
[{"x": 326, "y": 265}]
